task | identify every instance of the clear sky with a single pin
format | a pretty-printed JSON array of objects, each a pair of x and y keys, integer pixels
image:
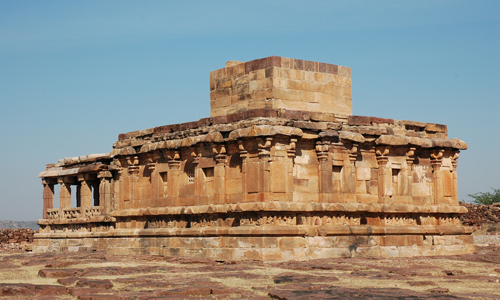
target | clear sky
[{"x": 75, "y": 74}]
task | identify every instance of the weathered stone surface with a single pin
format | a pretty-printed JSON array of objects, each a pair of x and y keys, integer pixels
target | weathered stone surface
[
  {"x": 350, "y": 293},
  {"x": 376, "y": 120},
  {"x": 322, "y": 116},
  {"x": 359, "y": 120},
  {"x": 300, "y": 278},
  {"x": 392, "y": 140},
  {"x": 25, "y": 289},
  {"x": 67, "y": 281},
  {"x": 56, "y": 273},
  {"x": 436, "y": 127},
  {"x": 351, "y": 136},
  {"x": 101, "y": 284},
  {"x": 329, "y": 133}
]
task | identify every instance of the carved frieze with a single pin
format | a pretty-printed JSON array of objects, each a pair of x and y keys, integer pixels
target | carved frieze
[
  {"x": 449, "y": 220},
  {"x": 259, "y": 220},
  {"x": 400, "y": 220},
  {"x": 329, "y": 219}
]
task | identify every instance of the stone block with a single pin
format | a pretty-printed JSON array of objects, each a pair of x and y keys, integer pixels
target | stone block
[
  {"x": 363, "y": 173},
  {"x": 358, "y": 120},
  {"x": 436, "y": 127},
  {"x": 375, "y": 120}
]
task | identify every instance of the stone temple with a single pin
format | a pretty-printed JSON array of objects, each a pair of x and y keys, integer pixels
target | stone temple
[{"x": 281, "y": 170}]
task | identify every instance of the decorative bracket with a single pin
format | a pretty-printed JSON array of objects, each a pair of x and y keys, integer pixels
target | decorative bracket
[
  {"x": 290, "y": 149},
  {"x": 436, "y": 158},
  {"x": 382, "y": 153},
  {"x": 409, "y": 157},
  {"x": 322, "y": 150}
]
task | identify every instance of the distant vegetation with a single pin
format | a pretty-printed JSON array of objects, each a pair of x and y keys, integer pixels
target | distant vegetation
[
  {"x": 18, "y": 224},
  {"x": 487, "y": 198}
]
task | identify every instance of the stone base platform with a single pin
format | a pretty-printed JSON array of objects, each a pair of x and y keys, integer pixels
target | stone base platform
[{"x": 267, "y": 243}]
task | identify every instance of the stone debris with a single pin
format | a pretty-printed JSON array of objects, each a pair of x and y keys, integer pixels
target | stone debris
[
  {"x": 16, "y": 239},
  {"x": 478, "y": 215}
]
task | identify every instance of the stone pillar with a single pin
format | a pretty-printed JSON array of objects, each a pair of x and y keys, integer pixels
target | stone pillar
[
  {"x": 174, "y": 166},
  {"x": 325, "y": 169},
  {"x": 133, "y": 171},
  {"x": 436, "y": 161},
  {"x": 85, "y": 192},
  {"x": 408, "y": 174},
  {"x": 291, "y": 152},
  {"x": 48, "y": 195},
  {"x": 220, "y": 176},
  {"x": 105, "y": 192},
  {"x": 264, "y": 168},
  {"x": 384, "y": 175},
  {"x": 350, "y": 172},
  {"x": 244, "y": 168},
  {"x": 65, "y": 193},
  {"x": 154, "y": 180},
  {"x": 118, "y": 184},
  {"x": 454, "y": 163},
  {"x": 199, "y": 182}
]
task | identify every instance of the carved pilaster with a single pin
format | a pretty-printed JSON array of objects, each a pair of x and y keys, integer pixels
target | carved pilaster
[
  {"x": 454, "y": 163},
  {"x": 384, "y": 174},
  {"x": 244, "y": 166},
  {"x": 105, "y": 194},
  {"x": 264, "y": 178},
  {"x": 220, "y": 173},
  {"x": 407, "y": 176},
  {"x": 155, "y": 183},
  {"x": 133, "y": 187},
  {"x": 174, "y": 166},
  {"x": 436, "y": 162},
  {"x": 324, "y": 171},
  {"x": 350, "y": 170}
]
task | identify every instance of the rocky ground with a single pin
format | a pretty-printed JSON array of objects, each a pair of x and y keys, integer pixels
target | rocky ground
[{"x": 95, "y": 275}]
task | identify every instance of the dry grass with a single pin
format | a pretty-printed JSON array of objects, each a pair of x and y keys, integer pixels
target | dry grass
[{"x": 25, "y": 274}]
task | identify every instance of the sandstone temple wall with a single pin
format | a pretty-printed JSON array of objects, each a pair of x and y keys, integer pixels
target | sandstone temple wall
[{"x": 281, "y": 170}]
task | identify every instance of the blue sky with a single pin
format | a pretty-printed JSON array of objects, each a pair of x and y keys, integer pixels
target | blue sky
[{"x": 75, "y": 74}]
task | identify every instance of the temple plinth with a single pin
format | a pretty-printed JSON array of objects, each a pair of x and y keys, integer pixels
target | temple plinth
[{"x": 281, "y": 170}]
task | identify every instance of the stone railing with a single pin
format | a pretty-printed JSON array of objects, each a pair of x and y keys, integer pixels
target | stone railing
[
  {"x": 71, "y": 213},
  {"x": 75, "y": 212},
  {"x": 92, "y": 211},
  {"x": 53, "y": 213}
]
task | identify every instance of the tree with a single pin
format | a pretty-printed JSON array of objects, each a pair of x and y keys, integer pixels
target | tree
[{"x": 487, "y": 198}]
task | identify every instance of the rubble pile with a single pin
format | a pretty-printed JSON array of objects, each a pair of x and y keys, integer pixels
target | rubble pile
[
  {"x": 16, "y": 239},
  {"x": 480, "y": 214}
]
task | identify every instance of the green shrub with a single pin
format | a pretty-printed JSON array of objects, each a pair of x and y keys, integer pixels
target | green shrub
[{"x": 487, "y": 198}]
